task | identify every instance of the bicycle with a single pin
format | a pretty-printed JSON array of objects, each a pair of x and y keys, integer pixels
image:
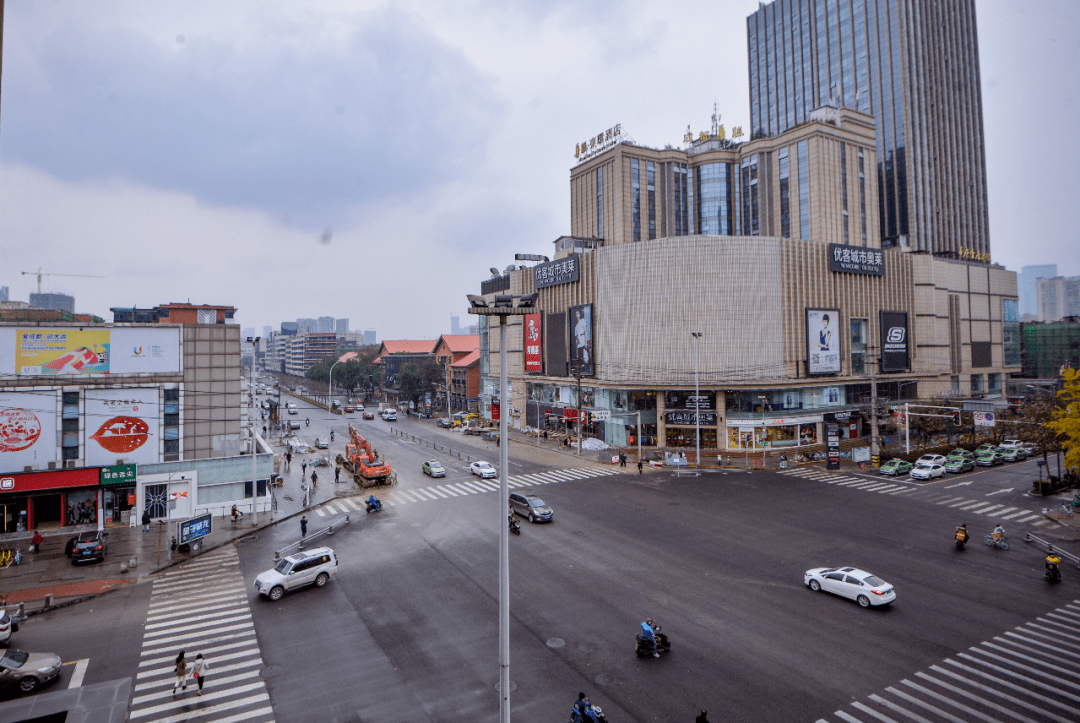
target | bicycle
[{"x": 1066, "y": 509}]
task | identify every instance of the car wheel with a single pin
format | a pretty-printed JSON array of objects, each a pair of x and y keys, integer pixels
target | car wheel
[
  {"x": 532, "y": 518},
  {"x": 815, "y": 585},
  {"x": 28, "y": 683},
  {"x": 322, "y": 579},
  {"x": 276, "y": 592},
  {"x": 863, "y": 601}
]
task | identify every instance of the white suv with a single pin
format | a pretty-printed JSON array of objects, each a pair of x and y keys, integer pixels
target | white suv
[
  {"x": 1010, "y": 444},
  {"x": 313, "y": 567}
]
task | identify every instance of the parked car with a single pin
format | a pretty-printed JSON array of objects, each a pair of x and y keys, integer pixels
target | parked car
[
  {"x": 8, "y": 625},
  {"x": 957, "y": 465},
  {"x": 445, "y": 422},
  {"x": 1010, "y": 444},
  {"x": 990, "y": 458},
  {"x": 896, "y": 467},
  {"x": 1014, "y": 454},
  {"x": 985, "y": 447},
  {"x": 294, "y": 424},
  {"x": 28, "y": 670},
  {"x": 851, "y": 582},
  {"x": 530, "y": 507},
  {"x": 433, "y": 468},
  {"x": 322, "y": 443},
  {"x": 483, "y": 469},
  {"x": 88, "y": 546},
  {"x": 311, "y": 567},
  {"x": 925, "y": 470},
  {"x": 349, "y": 409},
  {"x": 959, "y": 452},
  {"x": 369, "y": 415},
  {"x": 931, "y": 459}
]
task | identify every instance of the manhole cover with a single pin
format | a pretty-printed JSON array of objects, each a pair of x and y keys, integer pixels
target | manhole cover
[
  {"x": 270, "y": 671},
  {"x": 555, "y": 642},
  {"x": 606, "y": 679},
  {"x": 513, "y": 686}
]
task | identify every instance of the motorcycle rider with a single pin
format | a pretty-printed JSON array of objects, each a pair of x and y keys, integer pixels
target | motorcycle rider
[
  {"x": 649, "y": 634},
  {"x": 513, "y": 518},
  {"x": 1053, "y": 564},
  {"x": 307, "y": 422},
  {"x": 962, "y": 533},
  {"x": 373, "y": 502},
  {"x": 331, "y": 435},
  {"x": 999, "y": 533},
  {"x": 583, "y": 709}
]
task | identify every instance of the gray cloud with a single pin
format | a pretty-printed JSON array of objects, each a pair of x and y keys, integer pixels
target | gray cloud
[{"x": 313, "y": 133}]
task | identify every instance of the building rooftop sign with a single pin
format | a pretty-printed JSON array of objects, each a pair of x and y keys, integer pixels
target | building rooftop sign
[
  {"x": 554, "y": 273},
  {"x": 603, "y": 141},
  {"x": 856, "y": 260}
]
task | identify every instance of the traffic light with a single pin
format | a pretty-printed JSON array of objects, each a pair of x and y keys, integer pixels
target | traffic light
[{"x": 956, "y": 418}]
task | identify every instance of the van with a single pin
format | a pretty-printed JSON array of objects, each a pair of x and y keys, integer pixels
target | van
[
  {"x": 389, "y": 414},
  {"x": 311, "y": 567}
]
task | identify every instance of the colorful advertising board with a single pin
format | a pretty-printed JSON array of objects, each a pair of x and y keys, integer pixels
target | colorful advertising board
[
  {"x": 895, "y": 344},
  {"x": 582, "y": 361},
  {"x": 534, "y": 344},
  {"x": 28, "y": 429},
  {"x": 122, "y": 424},
  {"x": 70, "y": 351},
  {"x": 823, "y": 341}
]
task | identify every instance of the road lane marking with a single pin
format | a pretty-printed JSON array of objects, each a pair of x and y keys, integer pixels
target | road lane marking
[
  {"x": 449, "y": 491},
  {"x": 79, "y": 673}
]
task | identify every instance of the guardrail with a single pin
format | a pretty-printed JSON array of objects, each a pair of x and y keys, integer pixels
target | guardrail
[
  {"x": 1050, "y": 547},
  {"x": 463, "y": 456},
  {"x": 328, "y": 530}
]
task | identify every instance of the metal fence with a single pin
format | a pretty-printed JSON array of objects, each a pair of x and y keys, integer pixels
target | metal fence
[{"x": 437, "y": 446}]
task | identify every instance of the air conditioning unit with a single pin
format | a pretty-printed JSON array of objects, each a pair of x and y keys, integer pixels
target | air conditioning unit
[
  {"x": 52, "y": 465},
  {"x": 70, "y": 463}
]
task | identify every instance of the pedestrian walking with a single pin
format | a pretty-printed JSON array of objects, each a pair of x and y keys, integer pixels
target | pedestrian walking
[
  {"x": 181, "y": 673},
  {"x": 337, "y": 474},
  {"x": 783, "y": 461},
  {"x": 314, "y": 479},
  {"x": 639, "y": 465},
  {"x": 198, "y": 670},
  {"x": 622, "y": 460},
  {"x": 288, "y": 460},
  {"x": 303, "y": 526},
  {"x": 35, "y": 543},
  {"x": 146, "y": 520},
  {"x": 303, "y": 468}
]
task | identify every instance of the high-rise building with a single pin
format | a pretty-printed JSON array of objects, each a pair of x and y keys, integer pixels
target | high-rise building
[
  {"x": 307, "y": 326},
  {"x": 289, "y": 328},
  {"x": 1058, "y": 297},
  {"x": 325, "y": 325},
  {"x": 342, "y": 326},
  {"x": 4, "y": 293},
  {"x": 369, "y": 337},
  {"x": 455, "y": 324},
  {"x": 1028, "y": 278},
  {"x": 62, "y": 302},
  {"x": 267, "y": 332},
  {"x": 914, "y": 66}
]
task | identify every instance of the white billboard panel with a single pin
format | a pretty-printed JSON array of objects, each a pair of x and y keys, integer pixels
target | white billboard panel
[
  {"x": 823, "y": 341},
  {"x": 141, "y": 349},
  {"x": 91, "y": 350},
  {"x": 28, "y": 429},
  {"x": 122, "y": 424}
]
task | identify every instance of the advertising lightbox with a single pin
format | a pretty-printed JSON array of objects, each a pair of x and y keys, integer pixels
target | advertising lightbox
[
  {"x": 823, "y": 341},
  {"x": 79, "y": 351},
  {"x": 581, "y": 340},
  {"x": 895, "y": 342},
  {"x": 122, "y": 424},
  {"x": 28, "y": 429},
  {"x": 534, "y": 344}
]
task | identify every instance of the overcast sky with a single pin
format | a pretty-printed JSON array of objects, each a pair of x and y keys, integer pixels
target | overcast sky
[{"x": 372, "y": 160}]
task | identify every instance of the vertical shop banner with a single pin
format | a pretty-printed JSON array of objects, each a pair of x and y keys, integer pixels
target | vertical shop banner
[
  {"x": 832, "y": 445},
  {"x": 534, "y": 344},
  {"x": 27, "y": 429},
  {"x": 895, "y": 342},
  {"x": 823, "y": 341},
  {"x": 581, "y": 340},
  {"x": 122, "y": 424}
]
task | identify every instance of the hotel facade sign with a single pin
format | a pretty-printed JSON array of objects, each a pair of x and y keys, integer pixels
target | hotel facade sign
[{"x": 856, "y": 260}]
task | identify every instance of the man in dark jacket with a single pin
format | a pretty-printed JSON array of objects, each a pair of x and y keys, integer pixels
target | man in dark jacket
[{"x": 146, "y": 520}]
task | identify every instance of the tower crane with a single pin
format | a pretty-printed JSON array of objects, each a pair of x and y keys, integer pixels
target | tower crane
[{"x": 39, "y": 273}]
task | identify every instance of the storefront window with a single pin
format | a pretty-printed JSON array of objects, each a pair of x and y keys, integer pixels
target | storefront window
[
  {"x": 684, "y": 437},
  {"x": 807, "y": 434},
  {"x": 80, "y": 507},
  {"x": 858, "y": 346}
]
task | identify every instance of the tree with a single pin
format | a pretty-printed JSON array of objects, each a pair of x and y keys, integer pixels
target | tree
[
  {"x": 358, "y": 372},
  {"x": 409, "y": 382},
  {"x": 1065, "y": 421}
]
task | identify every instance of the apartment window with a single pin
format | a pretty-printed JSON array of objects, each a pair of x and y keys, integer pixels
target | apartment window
[
  {"x": 635, "y": 192},
  {"x": 1010, "y": 331},
  {"x": 993, "y": 383},
  {"x": 955, "y": 379},
  {"x": 600, "y": 202},
  {"x": 679, "y": 196},
  {"x": 976, "y": 383},
  {"x": 715, "y": 199},
  {"x": 785, "y": 195},
  {"x": 862, "y": 197},
  {"x": 69, "y": 436},
  {"x": 859, "y": 332},
  {"x": 688, "y": 214},
  {"x": 804, "y": 191},
  {"x": 749, "y": 176},
  {"x": 843, "y": 188},
  {"x": 651, "y": 172}
]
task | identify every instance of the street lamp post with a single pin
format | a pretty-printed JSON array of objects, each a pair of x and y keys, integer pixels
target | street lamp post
[
  {"x": 330, "y": 394},
  {"x": 502, "y": 307},
  {"x": 254, "y": 341},
  {"x": 697, "y": 402}
]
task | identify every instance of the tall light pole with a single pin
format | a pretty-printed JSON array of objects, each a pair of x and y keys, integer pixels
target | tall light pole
[
  {"x": 254, "y": 341},
  {"x": 502, "y": 307},
  {"x": 697, "y": 402},
  {"x": 330, "y": 394}
]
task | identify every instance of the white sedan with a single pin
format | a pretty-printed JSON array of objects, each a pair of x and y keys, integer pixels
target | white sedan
[
  {"x": 924, "y": 470},
  {"x": 484, "y": 469},
  {"x": 851, "y": 582}
]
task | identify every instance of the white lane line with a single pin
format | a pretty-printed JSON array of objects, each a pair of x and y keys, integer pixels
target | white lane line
[
  {"x": 247, "y": 717},
  {"x": 938, "y": 696},
  {"x": 961, "y": 502},
  {"x": 848, "y": 718},
  {"x": 986, "y": 703},
  {"x": 172, "y": 628},
  {"x": 902, "y": 490},
  {"x": 1011, "y": 674},
  {"x": 448, "y": 491},
  {"x": 475, "y": 487},
  {"x": 1015, "y": 515},
  {"x": 1029, "y": 518},
  {"x": 168, "y": 598},
  {"x": 79, "y": 673},
  {"x": 881, "y": 716},
  {"x": 165, "y": 665},
  {"x": 329, "y": 508},
  {"x": 349, "y": 501},
  {"x": 1039, "y": 523},
  {"x": 492, "y": 486},
  {"x": 886, "y": 489},
  {"x": 216, "y": 601},
  {"x": 208, "y": 618},
  {"x": 974, "y": 505},
  {"x": 1006, "y": 510},
  {"x": 987, "y": 510},
  {"x": 1036, "y": 661},
  {"x": 514, "y": 483},
  {"x": 214, "y": 682},
  {"x": 950, "y": 499}
]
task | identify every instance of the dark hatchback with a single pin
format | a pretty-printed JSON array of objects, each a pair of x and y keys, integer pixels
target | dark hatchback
[
  {"x": 530, "y": 507},
  {"x": 88, "y": 546}
]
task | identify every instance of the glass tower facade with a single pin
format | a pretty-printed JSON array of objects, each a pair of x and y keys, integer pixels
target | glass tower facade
[{"x": 886, "y": 58}]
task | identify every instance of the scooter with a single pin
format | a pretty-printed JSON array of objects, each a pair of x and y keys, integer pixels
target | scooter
[
  {"x": 515, "y": 525},
  {"x": 644, "y": 646},
  {"x": 961, "y": 539},
  {"x": 375, "y": 506},
  {"x": 576, "y": 717},
  {"x": 1053, "y": 574},
  {"x": 307, "y": 422}
]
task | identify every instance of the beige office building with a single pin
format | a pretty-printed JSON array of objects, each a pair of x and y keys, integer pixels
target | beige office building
[{"x": 770, "y": 252}]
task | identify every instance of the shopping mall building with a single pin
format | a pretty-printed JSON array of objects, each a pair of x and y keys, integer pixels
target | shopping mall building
[{"x": 756, "y": 271}]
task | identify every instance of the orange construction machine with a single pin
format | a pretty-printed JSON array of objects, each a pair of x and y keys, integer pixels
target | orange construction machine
[{"x": 363, "y": 464}]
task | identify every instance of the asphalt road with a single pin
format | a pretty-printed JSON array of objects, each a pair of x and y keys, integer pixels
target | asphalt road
[{"x": 407, "y": 630}]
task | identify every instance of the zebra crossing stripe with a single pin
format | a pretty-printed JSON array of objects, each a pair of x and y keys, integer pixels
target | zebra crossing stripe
[
  {"x": 462, "y": 488},
  {"x": 448, "y": 491},
  {"x": 473, "y": 487},
  {"x": 425, "y": 492},
  {"x": 320, "y": 512}
]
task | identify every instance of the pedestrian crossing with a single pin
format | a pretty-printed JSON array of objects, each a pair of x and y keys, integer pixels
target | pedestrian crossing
[
  {"x": 1031, "y": 673},
  {"x": 201, "y": 607},
  {"x": 930, "y": 495},
  {"x": 465, "y": 488}
]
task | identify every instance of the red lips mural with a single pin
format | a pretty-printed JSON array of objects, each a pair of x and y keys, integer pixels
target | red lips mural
[
  {"x": 122, "y": 434},
  {"x": 19, "y": 429}
]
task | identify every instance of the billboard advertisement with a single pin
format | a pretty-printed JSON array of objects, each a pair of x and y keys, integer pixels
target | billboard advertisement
[
  {"x": 534, "y": 344},
  {"x": 895, "y": 342},
  {"x": 66, "y": 351},
  {"x": 122, "y": 424},
  {"x": 581, "y": 340},
  {"x": 27, "y": 429},
  {"x": 823, "y": 341}
]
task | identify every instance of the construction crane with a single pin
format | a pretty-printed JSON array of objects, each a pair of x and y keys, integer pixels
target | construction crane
[{"x": 39, "y": 273}]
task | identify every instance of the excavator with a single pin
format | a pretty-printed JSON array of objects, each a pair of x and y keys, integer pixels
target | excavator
[{"x": 362, "y": 463}]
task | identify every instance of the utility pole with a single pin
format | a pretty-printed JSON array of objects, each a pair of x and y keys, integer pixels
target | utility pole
[
  {"x": 875, "y": 446},
  {"x": 577, "y": 373}
]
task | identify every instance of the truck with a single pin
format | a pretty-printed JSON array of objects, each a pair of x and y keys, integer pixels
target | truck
[{"x": 360, "y": 460}]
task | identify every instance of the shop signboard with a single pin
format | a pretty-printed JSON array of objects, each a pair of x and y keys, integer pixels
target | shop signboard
[
  {"x": 984, "y": 419},
  {"x": 600, "y": 415},
  {"x": 122, "y": 424},
  {"x": 534, "y": 344},
  {"x": 581, "y": 340},
  {"x": 688, "y": 400},
  {"x": 118, "y": 474},
  {"x": 554, "y": 273},
  {"x": 194, "y": 529},
  {"x": 496, "y": 410},
  {"x": 28, "y": 429},
  {"x": 822, "y": 341},
  {"x": 856, "y": 260},
  {"x": 71, "y": 351},
  {"x": 860, "y": 454},
  {"x": 705, "y": 419},
  {"x": 832, "y": 445},
  {"x": 895, "y": 342},
  {"x": 53, "y": 480}
]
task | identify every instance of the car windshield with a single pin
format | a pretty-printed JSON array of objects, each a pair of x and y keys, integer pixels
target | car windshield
[
  {"x": 87, "y": 537},
  {"x": 483, "y": 465},
  {"x": 924, "y": 465},
  {"x": 874, "y": 581},
  {"x": 283, "y": 567},
  {"x": 536, "y": 502},
  {"x": 14, "y": 659}
]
